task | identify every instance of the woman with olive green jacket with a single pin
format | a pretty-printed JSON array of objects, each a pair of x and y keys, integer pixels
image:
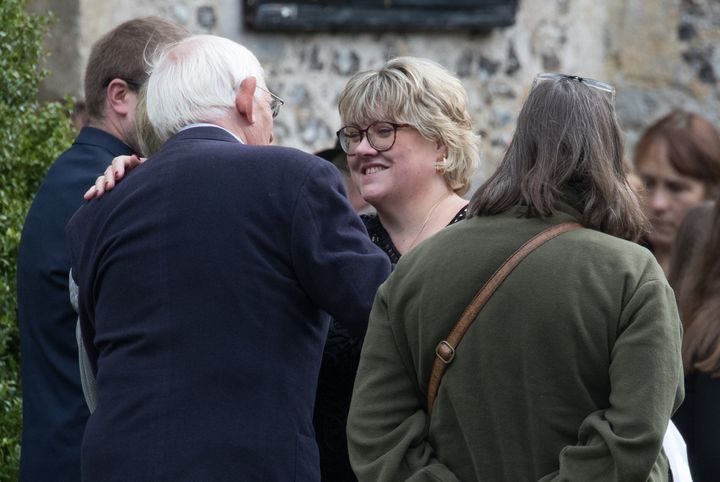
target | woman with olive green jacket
[{"x": 572, "y": 369}]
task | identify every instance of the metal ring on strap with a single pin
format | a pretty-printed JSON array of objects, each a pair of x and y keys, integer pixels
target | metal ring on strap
[{"x": 445, "y": 352}]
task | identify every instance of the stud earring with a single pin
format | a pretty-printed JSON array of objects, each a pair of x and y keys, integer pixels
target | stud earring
[{"x": 440, "y": 166}]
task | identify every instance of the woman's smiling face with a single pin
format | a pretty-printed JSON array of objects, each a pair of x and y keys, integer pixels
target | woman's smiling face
[{"x": 398, "y": 173}]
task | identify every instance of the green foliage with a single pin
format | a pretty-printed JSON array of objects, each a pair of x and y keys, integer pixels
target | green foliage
[{"x": 32, "y": 135}]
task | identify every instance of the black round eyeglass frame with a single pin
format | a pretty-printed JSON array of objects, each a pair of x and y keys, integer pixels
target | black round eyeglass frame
[{"x": 367, "y": 133}]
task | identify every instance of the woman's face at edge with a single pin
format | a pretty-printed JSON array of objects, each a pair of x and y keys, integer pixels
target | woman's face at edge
[{"x": 666, "y": 194}]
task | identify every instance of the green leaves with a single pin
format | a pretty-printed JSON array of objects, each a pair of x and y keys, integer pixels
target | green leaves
[{"x": 32, "y": 135}]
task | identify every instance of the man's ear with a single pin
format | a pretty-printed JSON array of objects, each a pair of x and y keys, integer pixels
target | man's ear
[
  {"x": 244, "y": 98},
  {"x": 118, "y": 97}
]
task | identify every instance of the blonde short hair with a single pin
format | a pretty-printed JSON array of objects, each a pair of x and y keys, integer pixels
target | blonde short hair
[{"x": 425, "y": 95}]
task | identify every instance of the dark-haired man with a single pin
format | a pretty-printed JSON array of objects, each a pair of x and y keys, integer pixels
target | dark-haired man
[{"x": 54, "y": 411}]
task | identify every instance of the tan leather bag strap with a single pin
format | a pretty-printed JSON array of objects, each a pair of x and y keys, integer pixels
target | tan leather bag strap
[{"x": 445, "y": 350}]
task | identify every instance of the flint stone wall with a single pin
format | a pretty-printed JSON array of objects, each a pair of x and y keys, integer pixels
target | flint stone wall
[{"x": 659, "y": 54}]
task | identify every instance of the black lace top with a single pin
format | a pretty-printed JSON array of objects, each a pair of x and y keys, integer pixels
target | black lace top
[
  {"x": 381, "y": 238},
  {"x": 337, "y": 375}
]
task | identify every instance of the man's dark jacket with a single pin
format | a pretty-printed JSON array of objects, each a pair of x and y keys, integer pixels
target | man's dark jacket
[
  {"x": 54, "y": 411},
  {"x": 204, "y": 281}
]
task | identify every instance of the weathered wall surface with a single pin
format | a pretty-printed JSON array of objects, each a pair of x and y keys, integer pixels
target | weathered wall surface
[
  {"x": 663, "y": 54},
  {"x": 660, "y": 54},
  {"x": 63, "y": 46}
]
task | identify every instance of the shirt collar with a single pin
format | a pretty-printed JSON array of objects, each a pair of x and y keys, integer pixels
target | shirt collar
[{"x": 207, "y": 124}]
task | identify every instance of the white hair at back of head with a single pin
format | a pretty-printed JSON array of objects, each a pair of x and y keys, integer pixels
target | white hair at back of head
[{"x": 195, "y": 80}]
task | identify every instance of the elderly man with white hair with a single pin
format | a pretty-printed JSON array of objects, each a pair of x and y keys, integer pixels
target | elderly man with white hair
[{"x": 206, "y": 280}]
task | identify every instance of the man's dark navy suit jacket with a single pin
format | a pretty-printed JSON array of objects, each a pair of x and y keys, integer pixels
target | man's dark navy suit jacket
[
  {"x": 205, "y": 278},
  {"x": 54, "y": 411}
]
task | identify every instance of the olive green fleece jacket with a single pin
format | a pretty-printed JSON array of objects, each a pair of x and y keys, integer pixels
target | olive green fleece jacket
[{"x": 570, "y": 372}]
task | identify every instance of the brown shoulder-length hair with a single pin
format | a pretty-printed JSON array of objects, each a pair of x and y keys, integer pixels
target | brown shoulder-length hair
[
  {"x": 698, "y": 288},
  {"x": 692, "y": 144},
  {"x": 567, "y": 145}
]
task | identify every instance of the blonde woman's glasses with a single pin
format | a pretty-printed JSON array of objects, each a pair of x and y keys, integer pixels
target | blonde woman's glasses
[{"x": 380, "y": 135}]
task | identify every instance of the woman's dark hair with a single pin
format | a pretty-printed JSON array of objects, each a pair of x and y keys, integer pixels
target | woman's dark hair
[
  {"x": 567, "y": 147},
  {"x": 692, "y": 144},
  {"x": 695, "y": 275}
]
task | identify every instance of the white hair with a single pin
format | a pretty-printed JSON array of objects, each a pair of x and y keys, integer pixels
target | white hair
[{"x": 195, "y": 80}]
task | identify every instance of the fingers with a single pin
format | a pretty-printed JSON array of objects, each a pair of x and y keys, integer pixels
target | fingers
[
  {"x": 97, "y": 190},
  {"x": 135, "y": 161},
  {"x": 90, "y": 193},
  {"x": 118, "y": 166},
  {"x": 114, "y": 172},
  {"x": 122, "y": 163},
  {"x": 100, "y": 186},
  {"x": 109, "y": 176}
]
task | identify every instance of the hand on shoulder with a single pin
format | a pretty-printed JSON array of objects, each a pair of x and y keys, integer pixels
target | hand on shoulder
[{"x": 114, "y": 172}]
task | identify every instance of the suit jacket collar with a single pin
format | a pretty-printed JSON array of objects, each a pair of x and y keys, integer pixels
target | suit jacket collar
[
  {"x": 204, "y": 132},
  {"x": 98, "y": 137}
]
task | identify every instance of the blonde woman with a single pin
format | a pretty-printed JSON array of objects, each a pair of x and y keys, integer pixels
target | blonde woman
[
  {"x": 411, "y": 152},
  {"x": 411, "y": 149}
]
